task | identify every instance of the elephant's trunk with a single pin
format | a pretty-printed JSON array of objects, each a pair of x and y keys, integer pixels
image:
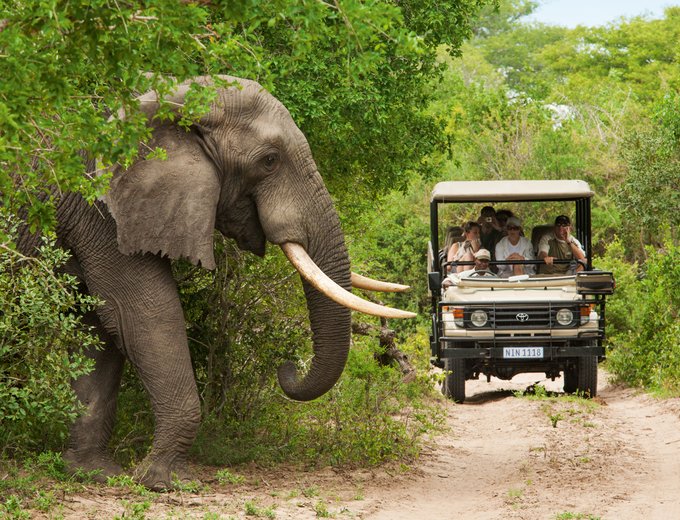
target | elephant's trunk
[{"x": 330, "y": 323}]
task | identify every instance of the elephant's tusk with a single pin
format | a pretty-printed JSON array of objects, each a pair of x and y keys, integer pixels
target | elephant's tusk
[
  {"x": 314, "y": 275},
  {"x": 363, "y": 282}
]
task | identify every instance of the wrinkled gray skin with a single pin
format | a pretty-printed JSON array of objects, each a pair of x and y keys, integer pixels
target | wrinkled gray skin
[{"x": 245, "y": 169}]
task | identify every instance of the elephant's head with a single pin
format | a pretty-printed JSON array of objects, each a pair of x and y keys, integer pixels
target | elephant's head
[{"x": 246, "y": 169}]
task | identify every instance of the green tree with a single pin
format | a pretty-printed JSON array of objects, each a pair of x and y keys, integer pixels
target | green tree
[
  {"x": 650, "y": 191},
  {"x": 351, "y": 73}
]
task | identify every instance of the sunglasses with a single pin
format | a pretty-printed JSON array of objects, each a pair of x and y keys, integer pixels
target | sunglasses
[
  {"x": 510, "y": 228},
  {"x": 563, "y": 225}
]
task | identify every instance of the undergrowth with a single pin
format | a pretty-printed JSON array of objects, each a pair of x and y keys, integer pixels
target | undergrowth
[
  {"x": 42, "y": 345},
  {"x": 368, "y": 418}
]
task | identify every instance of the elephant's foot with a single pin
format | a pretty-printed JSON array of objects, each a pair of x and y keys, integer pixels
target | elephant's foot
[
  {"x": 159, "y": 475},
  {"x": 94, "y": 465}
]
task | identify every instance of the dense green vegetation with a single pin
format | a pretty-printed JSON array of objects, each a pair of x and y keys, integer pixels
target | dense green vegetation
[
  {"x": 42, "y": 343},
  {"x": 392, "y": 100}
]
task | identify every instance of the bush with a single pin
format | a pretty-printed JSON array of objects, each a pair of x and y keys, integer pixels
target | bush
[
  {"x": 368, "y": 418},
  {"x": 645, "y": 311},
  {"x": 42, "y": 341}
]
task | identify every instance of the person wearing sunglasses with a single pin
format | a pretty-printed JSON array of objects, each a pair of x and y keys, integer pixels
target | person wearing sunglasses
[
  {"x": 560, "y": 245},
  {"x": 465, "y": 250},
  {"x": 514, "y": 246}
]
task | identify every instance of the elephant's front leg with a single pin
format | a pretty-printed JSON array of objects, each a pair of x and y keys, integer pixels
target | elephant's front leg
[{"x": 156, "y": 345}]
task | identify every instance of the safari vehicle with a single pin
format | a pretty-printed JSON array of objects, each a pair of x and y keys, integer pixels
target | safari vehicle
[{"x": 501, "y": 327}]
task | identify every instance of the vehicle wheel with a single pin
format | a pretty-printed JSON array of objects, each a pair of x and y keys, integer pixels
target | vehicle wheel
[
  {"x": 587, "y": 376},
  {"x": 454, "y": 382}
]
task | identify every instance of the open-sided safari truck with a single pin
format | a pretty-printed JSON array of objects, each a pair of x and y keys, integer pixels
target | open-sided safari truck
[{"x": 552, "y": 324}]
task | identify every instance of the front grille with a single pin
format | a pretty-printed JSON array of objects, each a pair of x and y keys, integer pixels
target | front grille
[{"x": 540, "y": 316}]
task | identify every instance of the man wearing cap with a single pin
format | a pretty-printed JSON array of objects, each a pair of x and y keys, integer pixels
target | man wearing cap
[
  {"x": 560, "y": 245},
  {"x": 482, "y": 259},
  {"x": 515, "y": 247}
]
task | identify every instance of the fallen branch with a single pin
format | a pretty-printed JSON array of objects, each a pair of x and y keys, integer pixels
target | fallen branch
[{"x": 389, "y": 351}]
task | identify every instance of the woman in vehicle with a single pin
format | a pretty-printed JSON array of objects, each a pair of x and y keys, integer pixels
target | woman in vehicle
[
  {"x": 464, "y": 250},
  {"x": 514, "y": 246}
]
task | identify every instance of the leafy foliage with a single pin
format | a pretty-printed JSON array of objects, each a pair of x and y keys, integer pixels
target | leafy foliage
[
  {"x": 369, "y": 417},
  {"x": 648, "y": 353},
  {"x": 534, "y": 102},
  {"x": 650, "y": 192},
  {"x": 351, "y": 73},
  {"x": 42, "y": 345}
]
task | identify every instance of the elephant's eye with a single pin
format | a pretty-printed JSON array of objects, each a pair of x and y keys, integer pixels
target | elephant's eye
[{"x": 270, "y": 161}]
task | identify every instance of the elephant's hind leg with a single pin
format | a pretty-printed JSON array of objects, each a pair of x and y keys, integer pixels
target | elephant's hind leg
[{"x": 90, "y": 434}]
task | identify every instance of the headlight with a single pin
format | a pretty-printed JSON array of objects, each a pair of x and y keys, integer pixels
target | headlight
[
  {"x": 479, "y": 318},
  {"x": 564, "y": 316}
]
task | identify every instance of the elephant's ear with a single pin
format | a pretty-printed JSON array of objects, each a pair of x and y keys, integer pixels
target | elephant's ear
[{"x": 168, "y": 206}]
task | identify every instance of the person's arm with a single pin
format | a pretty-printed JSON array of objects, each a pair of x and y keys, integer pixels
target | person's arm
[
  {"x": 451, "y": 255},
  {"x": 528, "y": 254},
  {"x": 577, "y": 252},
  {"x": 452, "y": 252},
  {"x": 576, "y": 248},
  {"x": 500, "y": 255},
  {"x": 543, "y": 248}
]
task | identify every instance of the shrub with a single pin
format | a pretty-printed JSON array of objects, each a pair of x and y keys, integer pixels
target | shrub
[
  {"x": 644, "y": 349},
  {"x": 42, "y": 345},
  {"x": 368, "y": 418}
]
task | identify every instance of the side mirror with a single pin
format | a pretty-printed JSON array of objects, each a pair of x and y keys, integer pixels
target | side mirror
[
  {"x": 595, "y": 282},
  {"x": 434, "y": 281}
]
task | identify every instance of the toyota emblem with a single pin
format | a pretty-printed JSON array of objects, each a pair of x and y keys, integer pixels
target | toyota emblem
[{"x": 522, "y": 316}]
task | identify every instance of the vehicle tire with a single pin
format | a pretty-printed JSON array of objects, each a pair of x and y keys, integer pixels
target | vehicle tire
[
  {"x": 454, "y": 382},
  {"x": 587, "y": 376}
]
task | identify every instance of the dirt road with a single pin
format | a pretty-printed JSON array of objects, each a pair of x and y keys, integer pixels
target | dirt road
[
  {"x": 615, "y": 458},
  {"x": 509, "y": 457}
]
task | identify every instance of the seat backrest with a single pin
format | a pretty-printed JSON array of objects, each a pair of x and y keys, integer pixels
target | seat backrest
[{"x": 539, "y": 232}]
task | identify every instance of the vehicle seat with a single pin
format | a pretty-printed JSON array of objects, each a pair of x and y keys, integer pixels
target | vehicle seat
[{"x": 539, "y": 232}]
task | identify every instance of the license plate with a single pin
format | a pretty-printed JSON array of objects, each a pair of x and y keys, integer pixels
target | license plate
[{"x": 522, "y": 352}]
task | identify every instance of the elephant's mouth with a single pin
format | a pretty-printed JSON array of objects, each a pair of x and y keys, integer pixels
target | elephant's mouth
[
  {"x": 243, "y": 225},
  {"x": 297, "y": 256},
  {"x": 255, "y": 246}
]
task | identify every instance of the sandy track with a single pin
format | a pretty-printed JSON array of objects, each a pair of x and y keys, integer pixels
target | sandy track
[
  {"x": 619, "y": 459},
  {"x": 616, "y": 459}
]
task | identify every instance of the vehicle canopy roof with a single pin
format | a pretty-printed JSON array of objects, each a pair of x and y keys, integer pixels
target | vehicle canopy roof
[{"x": 514, "y": 190}]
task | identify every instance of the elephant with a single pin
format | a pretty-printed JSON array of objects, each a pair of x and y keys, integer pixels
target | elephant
[{"x": 245, "y": 169}]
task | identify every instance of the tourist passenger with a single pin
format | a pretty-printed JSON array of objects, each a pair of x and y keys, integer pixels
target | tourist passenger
[
  {"x": 481, "y": 268},
  {"x": 560, "y": 245},
  {"x": 482, "y": 258},
  {"x": 491, "y": 231},
  {"x": 464, "y": 250},
  {"x": 514, "y": 247},
  {"x": 502, "y": 216}
]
